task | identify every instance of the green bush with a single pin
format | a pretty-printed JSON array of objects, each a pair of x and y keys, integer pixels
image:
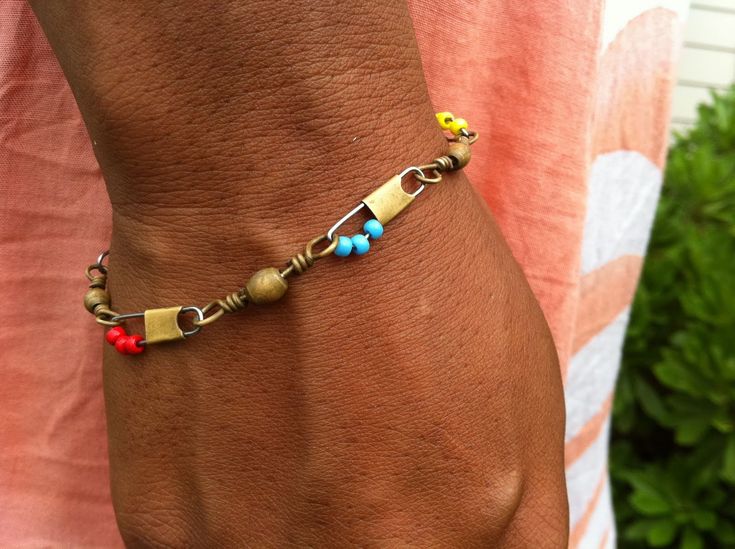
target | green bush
[{"x": 673, "y": 444}]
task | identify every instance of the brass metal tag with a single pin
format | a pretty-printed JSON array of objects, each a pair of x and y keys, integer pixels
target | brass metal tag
[
  {"x": 388, "y": 200},
  {"x": 162, "y": 325}
]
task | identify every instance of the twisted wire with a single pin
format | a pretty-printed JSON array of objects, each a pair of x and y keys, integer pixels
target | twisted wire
[
  {"x": 428, "y": 179},
  {"x": 301, "y": 262},
  {"x": 443, "y": 163},
  {"x": 104, "y": 315},
  {"x": 99, "y": 281},
  {"x": 101, "y": 270},
  {"x": 231, "y": 303}
]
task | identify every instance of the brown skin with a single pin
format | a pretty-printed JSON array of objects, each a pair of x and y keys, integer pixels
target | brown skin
[{"x": 411, "y": 397}]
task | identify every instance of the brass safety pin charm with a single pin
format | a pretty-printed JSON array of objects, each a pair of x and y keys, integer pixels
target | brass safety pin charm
[
  {"x": 270, "y": 284},
  {"x": 385, "y": 203},
  {"x": 161, "y": 325}
]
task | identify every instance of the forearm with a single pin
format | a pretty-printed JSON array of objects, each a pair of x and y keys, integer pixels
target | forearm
[{"x": 398, "y": 397}]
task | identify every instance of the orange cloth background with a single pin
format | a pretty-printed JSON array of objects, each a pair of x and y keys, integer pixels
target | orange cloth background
[{"x": 550, "y": 99}]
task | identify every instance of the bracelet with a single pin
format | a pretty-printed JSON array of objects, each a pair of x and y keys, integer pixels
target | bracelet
[{"x": 270, "y": 284}]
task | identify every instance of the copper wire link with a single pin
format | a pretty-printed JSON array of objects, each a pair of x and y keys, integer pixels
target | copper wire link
[
  {"x": 435, "y": 168},
  {"x": 445, "y": 163},
  {"x": 102, "y": 276},
  {"x": 470, "y": 135},
  {"x": 301, "y": 262},
  {"x": 98, "y": 281},
  {"x": 237, "y": 301},
  {"x": 104, "y": 316}
]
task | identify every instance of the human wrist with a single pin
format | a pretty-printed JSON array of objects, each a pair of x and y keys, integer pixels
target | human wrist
[
  {"x": 292, "y": 201},
  {"x": 264, "y": 137},
  {"x": 397, "y": 394},
  {"x": 249, "y": 103}
]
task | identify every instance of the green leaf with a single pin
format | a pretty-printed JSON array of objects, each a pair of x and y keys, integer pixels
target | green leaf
[
  {"x": 661, "y": 533},
  {"x": 676, "y": 376},
  {"x": 649, "y": 502},
  {"x": 714, "y": 497},
  {"x": 725, "y": 532},
  {"x": 704, "y": 519},
  {"x": 650, "y": 401},
  {"x": 691, "y": 540},
  {"x": 728, "y": 368},
  {"x": 692, "y": 430},
  {"x": 728, "y": 461},
  {"x": 638, "y": 530}
]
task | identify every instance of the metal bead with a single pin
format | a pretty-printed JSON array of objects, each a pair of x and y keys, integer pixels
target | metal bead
[
  {"x": 460, "y": 154},
  {"x": 96, "y": 297},
  {"x": 266, "y": 286}
]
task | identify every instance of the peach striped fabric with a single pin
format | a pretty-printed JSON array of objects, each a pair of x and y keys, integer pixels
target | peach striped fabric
[
  {"x": 575, "y": 97},
  {"x": 573, "y": 101}
]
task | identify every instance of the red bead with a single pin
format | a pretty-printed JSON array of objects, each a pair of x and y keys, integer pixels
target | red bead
[
  {"x": 113, "y": 334},
  {"x": 121, "y": 345},
  {"x": 132, "y": 346}
]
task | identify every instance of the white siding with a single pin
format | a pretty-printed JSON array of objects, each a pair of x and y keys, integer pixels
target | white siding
[
  {"x": 727, "y": 5},
  {"x": 711, "y": 28},
  {"x": 707, "y": 60},
  {"x": 703, "y": 68}
]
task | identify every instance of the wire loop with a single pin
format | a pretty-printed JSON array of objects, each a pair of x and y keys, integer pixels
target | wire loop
[
  {"x": 301, "y": 262},
  {"x": 434, "y": 168},
  {"x": 231, "y": 303}
]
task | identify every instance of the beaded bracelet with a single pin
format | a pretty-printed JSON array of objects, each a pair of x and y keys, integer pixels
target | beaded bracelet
[{"x": 270, "y": 284}]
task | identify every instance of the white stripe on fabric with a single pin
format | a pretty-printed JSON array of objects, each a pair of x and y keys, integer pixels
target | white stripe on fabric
[
  {"x": 584, "y": 474},
  {"x": 592, "y": 374},
  {"x": 623, "y": 190},
  {"x": 619, "y": 13}
]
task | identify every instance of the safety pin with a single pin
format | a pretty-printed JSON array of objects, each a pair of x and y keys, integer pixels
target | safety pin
[
  {"x": 191, "y": 309},
  {"x": 362, "y": 204}
]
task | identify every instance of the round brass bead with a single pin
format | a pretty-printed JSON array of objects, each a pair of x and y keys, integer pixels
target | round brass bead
[
  {"x": 266, "y": 286},
  {"x": 96, "y": 297},
  {"x": 460, "y": 154}
]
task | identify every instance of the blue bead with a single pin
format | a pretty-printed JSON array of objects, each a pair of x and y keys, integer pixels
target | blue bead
[
  {"x": 361, "y": 244},
  {"x": 344, "y": 246},
  {"x": 373, "y": 228}
]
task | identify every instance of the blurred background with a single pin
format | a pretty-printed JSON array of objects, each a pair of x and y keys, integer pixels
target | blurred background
[{"x": 673, "y": 443}]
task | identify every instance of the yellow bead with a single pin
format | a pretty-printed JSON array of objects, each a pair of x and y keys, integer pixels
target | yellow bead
[
  {"x": 444, "y": 119},
  {"x": 457, "y": 125}
]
